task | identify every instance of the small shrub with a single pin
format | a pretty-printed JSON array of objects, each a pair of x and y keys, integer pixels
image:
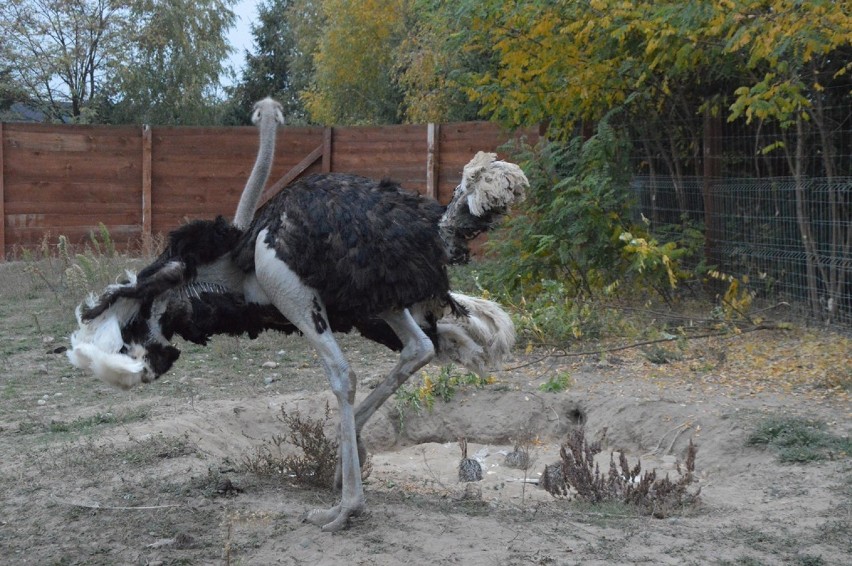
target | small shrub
[
  {"x": 660, "y": 355},
  {"x": 316, "y": 464},
  {"x": 659, "y": 497},
  {"x": 737, "y": 299},
  {"x": 557, "y": 383},
  {"x": 444, "y": 386},
  {"x": 799, "y": 440}
]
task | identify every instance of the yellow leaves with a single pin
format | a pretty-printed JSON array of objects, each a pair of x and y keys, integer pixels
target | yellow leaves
[
  {"x": 737, "y": 298},
  {"x": 648, "y": 255},
  {"x": 354, "y": 61}
]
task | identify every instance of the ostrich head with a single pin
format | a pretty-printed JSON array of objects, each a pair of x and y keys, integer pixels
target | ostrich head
[
  {"x": 487, "y": 189},
  {"x": 123, "y": 334}
]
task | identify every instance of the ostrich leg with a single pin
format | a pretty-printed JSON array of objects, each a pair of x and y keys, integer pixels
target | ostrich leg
[
  {"x": 417, "y": 351},
  {"x": 301, "y": 305}
]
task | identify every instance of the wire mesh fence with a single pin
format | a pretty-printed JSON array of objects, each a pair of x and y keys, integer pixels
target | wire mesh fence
[
  {"x": 790, "y": 239},
  {"x": 773, "y": 199}
]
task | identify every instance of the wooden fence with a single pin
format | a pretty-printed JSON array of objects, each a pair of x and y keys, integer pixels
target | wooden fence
[{"x": 138, "y": 182}]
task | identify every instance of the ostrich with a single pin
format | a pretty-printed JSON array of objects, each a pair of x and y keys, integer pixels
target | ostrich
[{"x": 330, "y": 253}]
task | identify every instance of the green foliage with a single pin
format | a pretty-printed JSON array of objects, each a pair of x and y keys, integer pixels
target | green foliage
[
  {"x": 799, "y": 440},
  {"x": 572, "y": 239},
  {"x": 444, "y": 386},
  {"x": 354, "y": 63},
  {"x": 557, "y": 383},
  {"x": 735, "y": 302},
  {"x": 579, "y": 60},
  {"x": 276, "y": 66},
  {"x": 173, "y": 62},
  {"x": 434, "y": 60},
  {"x": 552, "y": 314},
  {"x": 61, "y": 54}
]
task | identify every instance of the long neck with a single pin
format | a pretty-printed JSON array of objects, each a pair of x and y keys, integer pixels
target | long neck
[
  {"x": 260, "y": 172},
  {"x": 458, "y": 226}
]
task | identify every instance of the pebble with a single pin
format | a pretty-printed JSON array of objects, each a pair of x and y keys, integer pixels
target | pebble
[{"x": 269, "y": 365}]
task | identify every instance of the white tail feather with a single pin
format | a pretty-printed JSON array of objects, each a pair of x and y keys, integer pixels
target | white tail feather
[
  {"x": 480, "y": 341},
  {"x": 96, "y": 345}
]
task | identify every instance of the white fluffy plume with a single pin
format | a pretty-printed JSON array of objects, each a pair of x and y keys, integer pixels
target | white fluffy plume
[
  {"x": 492, "y": 184},
  {"x": 481, "y": 341},
  {"x": 96, "y": 345}
]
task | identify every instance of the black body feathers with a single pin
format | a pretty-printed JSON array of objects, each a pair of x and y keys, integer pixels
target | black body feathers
[{"x": 365, "y": 246}]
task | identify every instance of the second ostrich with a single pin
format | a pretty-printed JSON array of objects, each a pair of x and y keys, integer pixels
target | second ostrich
[{"x": 330, "y": 253}]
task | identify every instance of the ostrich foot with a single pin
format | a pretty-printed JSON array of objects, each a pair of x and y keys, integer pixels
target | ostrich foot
[{"x": 334, "y": 519}]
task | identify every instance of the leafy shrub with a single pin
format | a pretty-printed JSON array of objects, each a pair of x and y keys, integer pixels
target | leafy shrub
[
  {"x": 444, "y": 386},
  {"x": 316, "y": 464},
  {"x": 659, "y": 497},
  {"x": 575, "y": 226},
  {"x": 557, "y": 383},
  {"x": 799, "y": 440}
]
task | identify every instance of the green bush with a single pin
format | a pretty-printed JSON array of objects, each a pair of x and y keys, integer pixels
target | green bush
[{"x": 576, "y": 227}]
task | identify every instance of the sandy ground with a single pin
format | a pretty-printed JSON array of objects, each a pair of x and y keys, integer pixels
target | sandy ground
[{"x": 91, "y": 475}]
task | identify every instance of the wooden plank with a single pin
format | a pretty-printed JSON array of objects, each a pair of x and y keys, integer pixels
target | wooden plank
[
  {"x": 2, "y": 198},
  {"x": 68, "y": 207},
  {"x": 66, "y": 167},
  {"x": 71, "y": 139},
  {"x": 146, "y": 182},
  {"x": 49, "y": 222},
  {"x": 433, "y": 137},
  {"x": 327, "y": 149},
  {"x": 44, "y": 196},
  {"x": 291, "y": 175},
  {"x": 368, "y": 134}
]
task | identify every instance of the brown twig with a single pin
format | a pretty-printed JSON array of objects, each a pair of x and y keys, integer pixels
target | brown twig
[
  {"x": 110, "y": 507},
  {"x": 643, "y": 343}
]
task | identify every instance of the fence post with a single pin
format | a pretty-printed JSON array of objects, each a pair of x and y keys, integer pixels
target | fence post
[
  {"x": 327, "y": 135},
  {"x": 433, "y": 133},
  {"x": 146, "y": 188},
  {"x": 2, "y": 199}
]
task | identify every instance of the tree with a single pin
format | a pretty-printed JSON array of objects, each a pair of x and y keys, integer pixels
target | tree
[
  {"x": 268, "y": 67},
  {"x": 676, "y": 70},
  {"x": 60, "y": 53},
  {"x": 353, "y": 80},
  {"x": 433, "y": 59},
  {"x": 175, "y": 54}
]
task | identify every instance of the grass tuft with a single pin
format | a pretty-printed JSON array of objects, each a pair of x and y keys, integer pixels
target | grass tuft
[{"x": 799, "y": 440}]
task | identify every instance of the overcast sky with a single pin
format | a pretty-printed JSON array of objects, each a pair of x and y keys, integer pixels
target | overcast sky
[{"x": 240, "y": 35}]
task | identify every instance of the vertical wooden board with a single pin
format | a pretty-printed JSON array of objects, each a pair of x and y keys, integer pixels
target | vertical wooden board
[
  {"x": 146, "y": 182},
  {"x": 433, "y": 147},
  {"x": 2, "y": 197},
  {"x": 327, "y": 150}
]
